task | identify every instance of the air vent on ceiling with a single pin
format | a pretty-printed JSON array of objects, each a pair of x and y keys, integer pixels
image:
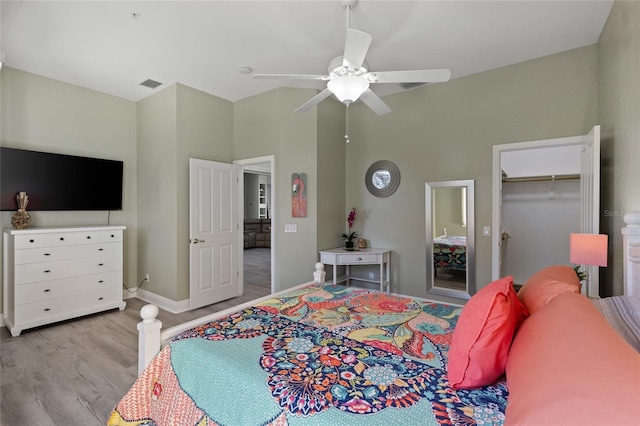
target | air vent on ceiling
[
  {"x": 407, "y": 86},
  {"x": 151, "y": 84}
]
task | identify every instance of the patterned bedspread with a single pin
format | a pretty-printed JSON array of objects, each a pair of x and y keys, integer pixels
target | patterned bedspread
[
  {"x": 329, "y": 355},
  {"x": 450, "y": 252}
]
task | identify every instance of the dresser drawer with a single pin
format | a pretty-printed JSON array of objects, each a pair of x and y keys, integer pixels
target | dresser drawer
[
  {"x": 46, "y": 254},
  {"x": 45, "y": 271},
  {"x": 57, "y": 239},
  {"x": 355, "y": 258},
  {"x": 48, "y": 290},
  {"x": 64, "y": 306}
]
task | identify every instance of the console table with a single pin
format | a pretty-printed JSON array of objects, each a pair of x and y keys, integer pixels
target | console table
[{"x": 369, "y": 256}]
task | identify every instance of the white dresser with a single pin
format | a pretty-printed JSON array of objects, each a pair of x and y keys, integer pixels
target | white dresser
[{"x": 54, "y": 274}]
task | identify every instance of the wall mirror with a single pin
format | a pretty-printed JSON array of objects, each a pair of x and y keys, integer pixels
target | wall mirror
[
  {"x": 382, "y": 178},
  {"x": 449, "y": 214}
]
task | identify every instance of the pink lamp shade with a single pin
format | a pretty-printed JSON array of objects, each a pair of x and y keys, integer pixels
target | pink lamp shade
[{"x": 588, "y": 249}]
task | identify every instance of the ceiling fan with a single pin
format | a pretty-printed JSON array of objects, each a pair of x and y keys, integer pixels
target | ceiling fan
[{"x": 349, "y": 77}]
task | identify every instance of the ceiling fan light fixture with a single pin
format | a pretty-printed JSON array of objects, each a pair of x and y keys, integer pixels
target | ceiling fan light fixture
[{"x": 348, "y": 88}]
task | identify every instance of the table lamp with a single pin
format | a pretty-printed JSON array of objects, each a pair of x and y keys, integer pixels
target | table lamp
[{"x": 588, "y": 250}]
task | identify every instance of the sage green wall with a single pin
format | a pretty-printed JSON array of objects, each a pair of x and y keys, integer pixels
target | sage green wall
[
  {"x": 448, "y": 211},
  {"x": 619, "y": 116},
  {"x": 332, "y": 210},
  {"x": 266, "y": 124},
  {"x": 157, "y": 188},
  {"x": 42, "y": 114},
  {"x": 446, "y": 131},
  {"x": 175, "y": 124}
]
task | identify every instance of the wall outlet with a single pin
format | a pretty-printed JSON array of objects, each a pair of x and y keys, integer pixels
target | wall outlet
[{"x": 146, "y": 277}]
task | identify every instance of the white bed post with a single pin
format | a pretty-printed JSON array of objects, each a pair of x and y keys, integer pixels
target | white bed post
[
  {"x": 319, "y": 275},
  {"x": 148, "y": 336}
]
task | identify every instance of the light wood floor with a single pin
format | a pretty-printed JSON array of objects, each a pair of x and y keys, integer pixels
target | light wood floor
[{"x": 74, "y": 372}]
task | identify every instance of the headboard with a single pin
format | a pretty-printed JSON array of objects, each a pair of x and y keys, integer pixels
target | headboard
[{"x": 631, "y": 254}]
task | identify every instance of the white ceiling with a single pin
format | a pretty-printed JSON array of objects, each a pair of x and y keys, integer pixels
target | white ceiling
[{"x": 102, "y": 46}]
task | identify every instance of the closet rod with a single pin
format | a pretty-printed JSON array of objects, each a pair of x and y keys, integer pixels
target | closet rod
[{"x": 541, "y": 178}]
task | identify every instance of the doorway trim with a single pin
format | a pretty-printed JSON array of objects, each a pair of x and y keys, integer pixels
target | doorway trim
[
  {"x": 496, "y": 219},
  {"x": 241, "y": 166}
]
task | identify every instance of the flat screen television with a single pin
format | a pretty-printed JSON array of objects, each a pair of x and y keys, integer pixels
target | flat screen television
[{"x": 59, "y": 182}]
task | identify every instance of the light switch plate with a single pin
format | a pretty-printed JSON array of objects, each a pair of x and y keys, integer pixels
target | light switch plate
[
  {"x": 290, "y": 227},
  {"x": 486, "y": 231}
]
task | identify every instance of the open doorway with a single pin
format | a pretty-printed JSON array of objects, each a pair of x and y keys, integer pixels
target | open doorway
[
  {"x": 255, "y": 195},
  {"x": 542, "y": 192}
]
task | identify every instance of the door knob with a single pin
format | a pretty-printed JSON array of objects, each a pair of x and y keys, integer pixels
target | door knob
[{"x": 196, "y": 241}]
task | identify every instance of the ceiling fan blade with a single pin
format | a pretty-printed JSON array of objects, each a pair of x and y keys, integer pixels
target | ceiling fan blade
[
  {"x": 292, "y": 76},
  {"x": 355, "y": 48},
  {"x": 314, "y": 101},
  {"x": 374, "y": 102},
  {"x": 416, "y": 76}
]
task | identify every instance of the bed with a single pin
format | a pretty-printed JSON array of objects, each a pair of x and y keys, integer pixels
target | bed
[
  {"x": 329, "y": 354},
  {"x": 317, "y": 354},
  {"x": 450, "y": 252}
]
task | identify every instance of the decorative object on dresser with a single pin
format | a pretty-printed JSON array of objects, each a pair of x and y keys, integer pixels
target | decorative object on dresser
[
  {"x": 55, "y": 274},
  {"x": 21, "y": 219}
]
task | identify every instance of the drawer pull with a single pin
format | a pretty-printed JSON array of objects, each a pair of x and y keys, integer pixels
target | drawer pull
[
  {"x": 46, "y": 271},
  {"x": 100, "y": 249},
  {"x": 47, "y": 254},
  {"x": 100, "y": 282},
  {"x": 61, "y": 238},
  {"x": 100, "y": 298},
  {"x": 358, "y": 259},
  {"x": 47, "y": 309},
  {"x": 88, "y": 237},
  {"x": 100, "y": 264},
  {"x": 30, "y": 241},
  {"x": 47, "y": 290},
  {"x": 113, "y": 236}
]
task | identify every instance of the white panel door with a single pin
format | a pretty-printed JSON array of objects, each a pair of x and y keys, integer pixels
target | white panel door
[
  {"x": 213, "y": 230},
  {"x": 590, "y": 199}
]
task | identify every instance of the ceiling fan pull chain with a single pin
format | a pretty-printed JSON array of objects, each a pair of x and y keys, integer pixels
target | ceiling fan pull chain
[{"x": 346, "y": 125}]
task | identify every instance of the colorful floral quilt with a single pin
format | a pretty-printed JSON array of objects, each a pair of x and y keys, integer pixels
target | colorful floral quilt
[
  {"x": 329, "y": 355},
  {"x": 450, "y": 252}
]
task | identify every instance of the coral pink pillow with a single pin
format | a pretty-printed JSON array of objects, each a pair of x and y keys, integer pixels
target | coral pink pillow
[
  {"x": 567, "y": 366},
  {"x": 546, "y": 284},
  {"x": 483, "y": 335}
]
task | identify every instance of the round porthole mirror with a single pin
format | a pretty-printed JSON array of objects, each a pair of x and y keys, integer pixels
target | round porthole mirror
[{"x": 382, "y": 178}]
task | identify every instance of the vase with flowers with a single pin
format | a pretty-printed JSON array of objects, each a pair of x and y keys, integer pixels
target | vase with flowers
[{"x": 350, "y": 235}]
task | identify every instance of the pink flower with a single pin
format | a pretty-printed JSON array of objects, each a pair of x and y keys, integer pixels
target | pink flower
[{"x": 351, "y": 218}]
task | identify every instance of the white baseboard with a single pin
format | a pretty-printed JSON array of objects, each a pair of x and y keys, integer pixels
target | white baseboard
[{"x": 162, "y": 302}]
